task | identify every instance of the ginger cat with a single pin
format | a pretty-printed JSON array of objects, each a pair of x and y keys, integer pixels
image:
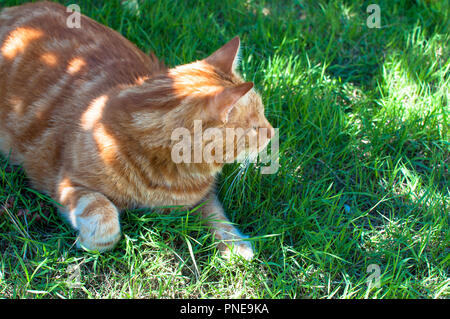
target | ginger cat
[{"x": 90, "y": 118}]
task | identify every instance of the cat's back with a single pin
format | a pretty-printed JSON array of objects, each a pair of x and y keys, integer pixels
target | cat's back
[
  {"x": 43, "y": 36},
  {"x": 50, "y": 71}
]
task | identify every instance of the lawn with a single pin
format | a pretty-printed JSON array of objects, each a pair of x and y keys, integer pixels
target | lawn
[{"x": 363, "y": 184}]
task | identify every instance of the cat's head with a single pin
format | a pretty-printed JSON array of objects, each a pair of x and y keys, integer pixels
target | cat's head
[
  {"x": 207, "y": 95},
  {"x": 215, "y": 94}
]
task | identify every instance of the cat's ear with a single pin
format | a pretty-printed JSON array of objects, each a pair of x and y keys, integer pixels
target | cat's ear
[
  {"x": 226, "y": 58},
  {"x": 223, "y": 102}
]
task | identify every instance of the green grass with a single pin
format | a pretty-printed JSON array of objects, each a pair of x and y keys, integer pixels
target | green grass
[{"x": 364, "y": 162}]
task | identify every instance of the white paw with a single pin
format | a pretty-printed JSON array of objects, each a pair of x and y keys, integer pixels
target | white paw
[
  {"x": 241, "y": 248},
  {"x": 100, "y": 236}
]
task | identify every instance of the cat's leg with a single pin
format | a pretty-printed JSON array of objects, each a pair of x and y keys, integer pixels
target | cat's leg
[
  {"x": 94, "y": 217},
  {"x": 231, "y": 241}
]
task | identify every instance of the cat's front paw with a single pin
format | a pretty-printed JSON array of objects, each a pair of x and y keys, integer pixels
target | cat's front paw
[
  {"x": 100, "y": 237},
  {"x": 241, "y": 248}
]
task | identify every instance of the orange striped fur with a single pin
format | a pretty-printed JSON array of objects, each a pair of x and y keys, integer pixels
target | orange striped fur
[{"x": 89, "y": 117}]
